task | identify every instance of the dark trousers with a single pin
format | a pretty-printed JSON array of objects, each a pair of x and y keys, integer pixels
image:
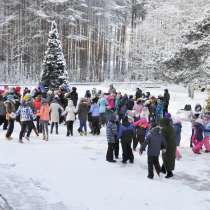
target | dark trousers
[
  {"x": 116, "y": 149},
  {"x": 24, "y": 126},
  {"x": 38, "y": 125},
  {"x": 153, "y": 161},
  {"x": 69, "y": 125},
  {"x": 10, "y": 128},
  {"x": 96, "y": 125},
  {"x": 56, "y": 127},
  {"x": 31, "y": 127},
  {"x": 3, "y": 121},
  {"x": 102, "y": 118},
  {"x": 165, "y": 109},
  {"x": 110, "y": 152},
  {"x": 82, "y": 124},
  {"x": 44, "y": 128},
  {"x": 127, "y": 151},
  {"x": 138, "y": 139}
]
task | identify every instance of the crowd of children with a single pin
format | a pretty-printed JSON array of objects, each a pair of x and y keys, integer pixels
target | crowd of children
[{"x": 129, "y": 119}]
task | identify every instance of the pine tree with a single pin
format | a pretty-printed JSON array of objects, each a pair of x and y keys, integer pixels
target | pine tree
[{"x": 54, "y": 72}]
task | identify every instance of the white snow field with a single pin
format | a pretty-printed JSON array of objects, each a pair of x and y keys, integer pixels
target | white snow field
[{"x": 70, "y": 173}]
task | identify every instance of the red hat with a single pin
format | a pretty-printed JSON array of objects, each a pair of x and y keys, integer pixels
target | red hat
[{"x": 17, "y": 89}]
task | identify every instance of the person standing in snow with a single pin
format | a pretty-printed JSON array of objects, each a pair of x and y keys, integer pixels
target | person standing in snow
[
  {"x": 102, "y": 102},
  {"x": 3, "y": 113},
  {"x": 74, "y": 96},
  {"x": 170, "y": 154},
  {"x": 112, "y": 90},
  {"x": 10, "y": 115},
  {"x": 111, "y": 134},
  {"x": 166, "y": 100},
  {"x": 44, "y": 116},
  {"x": 70, "y": 117},
  {"x": 126, "y": 133},
  {"x": 55, "y": 110},
  {"x": 26, "y": 115},
  {"x": 138, "y": 93},
  {"x": 95, "y": 114},
  {"x": 155, "y": 142},
  {"x": 191, "y": 91},
  {"x": 37, "y": 106},
  {"x": 83, "y": 110},
  {"x": 177, "y": 125}
]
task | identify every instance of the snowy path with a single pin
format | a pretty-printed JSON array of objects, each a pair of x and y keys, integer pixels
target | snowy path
[{"x": 72, "y": 174}]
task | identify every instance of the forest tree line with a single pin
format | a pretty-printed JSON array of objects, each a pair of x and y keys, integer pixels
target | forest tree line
[{"x": 96, "y": 37}]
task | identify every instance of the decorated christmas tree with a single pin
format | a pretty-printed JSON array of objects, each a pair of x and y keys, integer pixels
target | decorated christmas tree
[{"x": 54, "y": 73}]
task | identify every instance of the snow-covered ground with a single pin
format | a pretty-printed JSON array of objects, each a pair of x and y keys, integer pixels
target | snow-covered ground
[{"x": 72, "y": 174}]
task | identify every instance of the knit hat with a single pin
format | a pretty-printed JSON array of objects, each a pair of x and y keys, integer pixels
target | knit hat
[
  {"x": 167, "y": 115},
  {"x": 27, "y": 97}
]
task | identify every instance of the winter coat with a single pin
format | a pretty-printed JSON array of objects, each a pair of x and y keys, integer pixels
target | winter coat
[
  {"x": 170, "y": 138},
  {"x": 142, "y": 123},
  {"x": 94, "y": 110},
  {"x": 70, "y": 111},
  {"x": 2, "y": 109},
  {"x": 207, "y": 127},
  {"x": 126, "y": 132},
  {"x": 111, "y": 132},
  {"x": 155, "y": 142},
  {"x": 102, "y": 105},
  {"x": 74, "y": 97},
  {"x": 83, "y": 110},
  {"x": 10, "y": 106},
  {"x": 37, "y": 105},
  {"x": 44, "y": 112},
  {"x": 111, "y": 102},
  {"x": 138, "y": 109},
  {"x": 123, "y": 105},
  {"x": 138, "y": 94},
  {"x": 198, "y": 131},
  {"x": 145, "y": 113},
  {"x": 166, "y": 98},
  {"x": 25, "y": 112},
  {"x": 130, "y": 104},
  {"x": 178, "y": 129},
  {"x": 55, "y": 111},
  {"x": 117, "y": 104},
  {"x": 159, "y": 111}
]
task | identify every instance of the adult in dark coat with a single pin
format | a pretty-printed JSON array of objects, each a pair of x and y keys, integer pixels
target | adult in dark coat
[
  {"x": 170, "y": 154},
  {"x": 155, "y": 142},
  {"x": 74, "y": 96},
  {"x": 126, "y": 133},
  {"x": 130, "y": 103},
  {"x": 138, "y": 93},
  {"x": 166, "y": 99},
  {"x": 83, "y": 110}
]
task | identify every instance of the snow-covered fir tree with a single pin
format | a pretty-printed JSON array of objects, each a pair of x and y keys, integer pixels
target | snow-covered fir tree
[{"x": 54, "y": 72}]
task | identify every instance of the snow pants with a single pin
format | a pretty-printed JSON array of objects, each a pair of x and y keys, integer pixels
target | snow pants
[
  {"x": 206, "y": 143},
  {"x": 127, "y": 151},
  {"x": 153, "y": 161},
  {"x": 197, "y": 145},
  {"x": 69, "y": 125}
]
